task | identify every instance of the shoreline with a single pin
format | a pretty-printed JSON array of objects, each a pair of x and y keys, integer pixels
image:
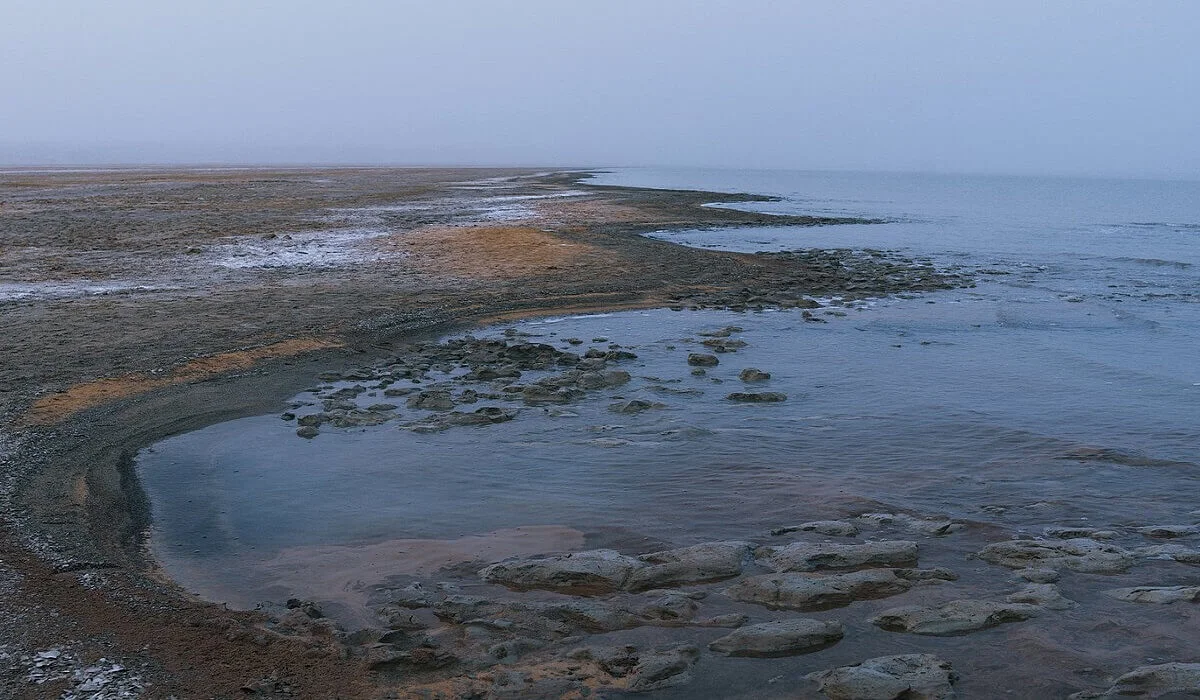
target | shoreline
[{"x": 78, "y": 511}]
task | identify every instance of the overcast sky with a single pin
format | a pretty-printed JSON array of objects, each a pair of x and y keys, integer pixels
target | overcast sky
[{"x": 1100, "y": 87}]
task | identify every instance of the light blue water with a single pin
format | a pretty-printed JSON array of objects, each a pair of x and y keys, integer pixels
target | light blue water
[{"x": 986, "y": 404}]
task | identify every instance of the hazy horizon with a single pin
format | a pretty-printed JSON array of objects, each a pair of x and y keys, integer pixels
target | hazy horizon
[{"x": 1100, "y": 88}]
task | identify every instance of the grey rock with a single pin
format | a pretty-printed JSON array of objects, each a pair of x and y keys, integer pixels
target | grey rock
[
  {"x": 1072, "y": 533},
  {"x": 699, "y": 359},
  {"x": 904, "y": 677},
  {"x": 1043, "y": 595},
  {"x": 308, "y": 432},
  {"x": 1174, "y": 552},
  {"x": 796, "y": 591},
  {"x": 953, "y": 618},
  {"x": 810, "y": 556},
  {"x": 663, "y": 668},
  {"x": 710, "y": 561},
  {"x": 634, "y": 406},
  {"x": 432, "y": 401},
  {"x": 779, "y": 638},
  {"x": 1080, "y": 554},
  {"x": 1161, "y": 595},
  {"x": 1161, "y": 680},
  {"x": 757, "y": 397},
  {"x": 580, "y": 573},
  {"x": 1039, "y": 575},
  {"x": 751, "y": 374},
  {"x": 833, "y": 528},
  {"x": 926, "y": 526},
  {"x": 1168, "y": 531}
]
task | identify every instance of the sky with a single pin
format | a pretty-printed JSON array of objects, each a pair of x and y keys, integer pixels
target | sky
[{"x": 1087, "y": 87}]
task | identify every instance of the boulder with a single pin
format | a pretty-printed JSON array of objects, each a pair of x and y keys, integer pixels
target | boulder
[
  {"x": 699, "y": 359},
  {"x": 1080, "y": 554},
  {"x": 904, "y": 677},
  {"x": 779, "y": 638},
  {"x": 751, "y": 374},
  {"x": 953, "y": 618},
  {"x": 811, "y": 556},
  {"x": 796, "y": 591}
]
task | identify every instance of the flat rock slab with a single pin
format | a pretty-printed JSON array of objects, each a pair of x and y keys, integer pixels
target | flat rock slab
[
  {"x": 953, "y": 618},
  {"x": 833, "y": 528},
  {"x": 711, "y": 561},
  {"x": 779, "y": 638},
  {"x": 1043, "y": 595},
  {"x": 1161, "y": 595},
  {"x": 1080, "y": 554},
  {"x": 592, "y": 572},
  {"x": 1176, "y": 552},
  {"x": 1161, "y": 680},
  {"x": 809, "y": 556},
  {"x": 797, "y": 591},
  {"x": 1168, "y": 531},
  {"x": 907, "y": 677}
]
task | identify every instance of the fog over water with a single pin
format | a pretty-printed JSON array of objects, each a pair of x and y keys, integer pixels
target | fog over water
[{"x": 1094, "y": 88}]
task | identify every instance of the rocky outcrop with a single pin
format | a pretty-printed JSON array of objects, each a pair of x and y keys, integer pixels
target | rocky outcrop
[
  {"x": 779, "y": 638},
  {"x": 953, "y": 618},
  {"x": 1080, "y": 554},
  {"x": 905, "y": 677},
  {"x": 797, "y": 591}
]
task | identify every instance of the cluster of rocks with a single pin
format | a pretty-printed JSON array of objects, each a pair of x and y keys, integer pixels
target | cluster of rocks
[
  {"x": 849, "y": 274},
  {"x": 531, "y": 640}
]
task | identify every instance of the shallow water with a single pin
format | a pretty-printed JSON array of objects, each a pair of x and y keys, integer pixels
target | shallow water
[{"x": 1062, "y": 390}]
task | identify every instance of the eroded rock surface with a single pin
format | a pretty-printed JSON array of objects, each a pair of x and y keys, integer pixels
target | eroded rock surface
[
  {"x": 583, "y": 573},
  {"x": 953, "y": 618},
  {"x": 798, "y": 591},
  {"x": 710, "y": 561},
  {"x": 779, "y": 638},
  {"x": 1158, "y": 681},
  {"x": 1043, "y": 595},
  {"x": 833, "y": 528},
  {"x": 904, "y": 677},
  {"x": 1080, "y": 554},
  {"x": 810, "y": 556},
  {"x": 1161, "y": 595}
]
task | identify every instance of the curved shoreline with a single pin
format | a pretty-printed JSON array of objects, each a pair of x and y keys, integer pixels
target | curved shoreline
[{"x": 75, "y": 502}]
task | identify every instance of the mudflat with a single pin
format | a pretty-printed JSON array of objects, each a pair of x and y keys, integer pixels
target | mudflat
[{"x": 137, "y": 304}]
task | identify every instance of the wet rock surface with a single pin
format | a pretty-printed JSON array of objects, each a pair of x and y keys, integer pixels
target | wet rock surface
[
  {"x": 1170, "y": 680},
  {"x": 953, "y": 618},
  {"x": 904, "y": 677},
  {"x": 1078, "y": 554},
  {"x": 779, "y": 638},
  {"x": 1161, "y": 595},
  {"x": 806, "y": 556},
  {"x": 797, "y": 591}
]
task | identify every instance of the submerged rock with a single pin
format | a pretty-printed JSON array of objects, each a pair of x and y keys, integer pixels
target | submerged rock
[
  {"x": 308, "y": 432},
  {"x": 1039, "y": 575},
  {"x": 1072, "y": 533},
  {"x": 1043, "y": 595},
  {"x": 953, "y": 618},
  {"x": 779, "y": 638},
  {"x": 751, "y": 374},
  {"x": 904, "y": 677},
  {"x": 1084, "y": 555},
  {"x": 1156, "y": 681},
  {"x": 834, "y": 528},
  {"x": 757, "y": 397},
  {"x": 796, "y": 591},
  {"x": 810, "y": 556},
  {"x": 1174, "y": 552},
  {"x": 699, "y": 359},
  {"x": 926, "y": 526},
  {"x": 1161, "y": 595},
  {"x": 1168, "y": 531}
]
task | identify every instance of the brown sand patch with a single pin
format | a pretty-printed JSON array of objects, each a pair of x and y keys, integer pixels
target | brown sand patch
[
  {"x": 56, "y": 407},
  {"x": 491, "y": 252}
]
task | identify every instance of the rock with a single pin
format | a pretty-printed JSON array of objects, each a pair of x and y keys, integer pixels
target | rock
[
  {"x": 1168, "y": 531},
  {"x": 487, "y": 415},
  {"x": 757, "y": 397},
  {"x": 308, "y": 432},
  {"x": 809, "y": 556},
  {"x": 1161, "y": 595},
  {"x": 1039, "y": 575},
  {"x": 955, "y": 617},
  {"x": 927, "y": 526},
  {"x": 1043, "y": 595},
  {"x": 382, "y": 407},
  {"x": 779, "y": 638},
  {"x": 1080, "y": 554},
  {"x": 663, "y": 669},
  {"x": 312, "y": 420},
  {"x": 1072, "y": 533},
  {"x": 400, "y": 391},
  {"x": 724, "y": 344},
  {"x": 432, "y": 401},
  {"x": 834, "y": 528},
  {"x": 722, "y": 332},
  {"x": 574, "y": 341},
  {"x": 699, "y": 372},
  {"x": 1175, "y": 552},
  {"x": 634, "y": 406},
  {"x": 580, "y": 573},
  {"x": 1152, "y": 682},
  {"x": 699, "y": 359},
  {"x": 710, "y": 561},
  {"x": 934, "y": 574},
  {"x": 905, "y": 677},
  {"x": 751, "y": 374},
  {"x": 795, "y": 591}
]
